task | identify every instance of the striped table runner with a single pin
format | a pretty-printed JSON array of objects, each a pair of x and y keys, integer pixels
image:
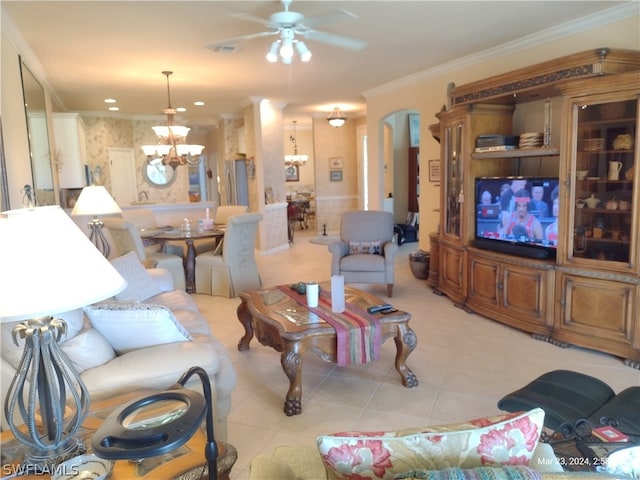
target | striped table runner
[{"x": 358, "y": 335}]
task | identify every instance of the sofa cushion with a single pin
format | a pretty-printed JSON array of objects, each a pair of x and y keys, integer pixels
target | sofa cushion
[
  {"x": 130, "y": 326},
  {"x": 88, "y": 349},
  {"x": 140, "y": 284},
  {"x": 508, "y": 439}
]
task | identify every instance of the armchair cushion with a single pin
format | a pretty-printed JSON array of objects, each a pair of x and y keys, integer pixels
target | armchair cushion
[
  {"x": 140, "y": 284},
  {"x": 498, "y": 440},
  {"x": 131, "y": 326}
]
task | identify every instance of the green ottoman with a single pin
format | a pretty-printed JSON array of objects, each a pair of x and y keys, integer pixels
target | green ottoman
[{"x": 567, "y": 397}]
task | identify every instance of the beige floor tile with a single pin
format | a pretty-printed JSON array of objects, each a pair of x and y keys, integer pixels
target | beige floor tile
[{"x": 464, "y": 363}]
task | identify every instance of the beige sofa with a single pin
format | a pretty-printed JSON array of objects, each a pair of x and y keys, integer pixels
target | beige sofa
[{"x": 124, "y": 345}]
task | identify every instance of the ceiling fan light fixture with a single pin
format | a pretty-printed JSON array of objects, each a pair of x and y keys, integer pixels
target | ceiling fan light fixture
[
  {"x": 336, "y": 118},
  {"x": 303, "y": 51},
  {"x": 272, "y": 54},
  {"x": 286, "y": 50}
]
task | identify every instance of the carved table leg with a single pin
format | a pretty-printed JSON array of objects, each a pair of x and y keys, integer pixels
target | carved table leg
[
  {"x": 244, "y": 315},
  {"x": 291, "y": 360},
  {"x": 406, "y": 342}
]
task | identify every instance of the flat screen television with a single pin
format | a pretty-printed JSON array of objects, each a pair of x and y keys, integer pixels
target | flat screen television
[{"x": 517, "y": 215}]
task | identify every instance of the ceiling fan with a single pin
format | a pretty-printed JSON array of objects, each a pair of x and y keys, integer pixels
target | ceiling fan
[{"x": 286, "y": 25}]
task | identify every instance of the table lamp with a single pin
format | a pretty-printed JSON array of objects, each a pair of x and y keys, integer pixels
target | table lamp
[
  {"x": 49, "y": 266},
  {"x": 95, "y": 200}
]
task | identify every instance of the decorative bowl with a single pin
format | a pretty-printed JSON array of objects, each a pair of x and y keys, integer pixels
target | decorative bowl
[
  {"x": 83, "y": 467},
  {"x": 582, "y": 174}
]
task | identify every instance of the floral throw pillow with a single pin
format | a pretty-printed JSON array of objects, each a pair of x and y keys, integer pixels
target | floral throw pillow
[
  {"x": 506, "y": 439},
  {"x": 365, "y": 247}
]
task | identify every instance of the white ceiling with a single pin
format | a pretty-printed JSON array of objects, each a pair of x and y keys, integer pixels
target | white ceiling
[{"x": 91, "y": 50}]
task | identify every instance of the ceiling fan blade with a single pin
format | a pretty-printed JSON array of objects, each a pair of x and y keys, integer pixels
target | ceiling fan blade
[
  {"x": 252, "y": 18},
  {"x": 333, "y": 39},
  {"x": 329, "y": 17},
  {"x": 241, "y": 38}
]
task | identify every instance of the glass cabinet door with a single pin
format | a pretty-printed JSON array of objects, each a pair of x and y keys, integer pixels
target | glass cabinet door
[
  {"x": 453, "y": 180},
  {"x": 605, "y": 159}
]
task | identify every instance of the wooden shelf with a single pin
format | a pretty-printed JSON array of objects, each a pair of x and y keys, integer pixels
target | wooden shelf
[{"x": 518, "y": 153}]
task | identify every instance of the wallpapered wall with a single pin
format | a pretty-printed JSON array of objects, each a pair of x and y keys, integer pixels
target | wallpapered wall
[{"x": 103, "y": 133}]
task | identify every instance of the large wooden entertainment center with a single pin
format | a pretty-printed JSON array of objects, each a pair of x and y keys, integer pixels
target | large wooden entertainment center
[{"x": 589, "y": 295}]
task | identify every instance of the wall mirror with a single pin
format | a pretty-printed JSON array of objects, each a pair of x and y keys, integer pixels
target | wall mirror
[
  {"x": 158, "y": 175},
  {"x": 41, "y": 168}
]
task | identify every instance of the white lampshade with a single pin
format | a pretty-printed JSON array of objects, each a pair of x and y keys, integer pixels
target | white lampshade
[
  {"x": 95, "y": 200},
  {"x": 49, "y": 265},
  {"x": 177, "y": 130},
  {"x": 193, "y": 150}
]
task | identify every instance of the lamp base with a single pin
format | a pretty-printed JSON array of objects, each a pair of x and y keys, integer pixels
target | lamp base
[{"x": 39, "y": 461}]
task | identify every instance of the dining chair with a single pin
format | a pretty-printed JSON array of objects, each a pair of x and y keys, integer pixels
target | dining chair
[
  {"x": 126, "y": 238},
  {"x": 144, "y": 218},
  {"x": 222, "y": 215},
  {"x": 235, "y": 270}
]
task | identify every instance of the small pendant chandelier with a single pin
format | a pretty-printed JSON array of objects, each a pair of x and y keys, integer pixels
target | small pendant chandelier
[
  {"x": 172, "y": 144},
  {"x": 295, "y": 159}
]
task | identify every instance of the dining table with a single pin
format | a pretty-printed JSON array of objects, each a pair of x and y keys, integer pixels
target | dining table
[{"x": 189, "y": 236}]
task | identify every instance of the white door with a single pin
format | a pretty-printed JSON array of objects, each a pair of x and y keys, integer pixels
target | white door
[{"x": 123, "y": 175}]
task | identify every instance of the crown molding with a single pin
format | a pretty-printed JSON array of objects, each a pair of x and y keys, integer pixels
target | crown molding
[{"x": 589, "y": 22}]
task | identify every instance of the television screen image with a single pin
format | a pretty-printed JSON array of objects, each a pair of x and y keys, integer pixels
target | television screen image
[{"x": 520, "y": 211}]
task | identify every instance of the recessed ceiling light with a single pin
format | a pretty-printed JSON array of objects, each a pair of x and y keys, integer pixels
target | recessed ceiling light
[
  {"x": 181, "y": 109},
  {"x": 114, "y": 109},
  {"x": 199, "y": 103},
  {"x": 109, "y": 100}
]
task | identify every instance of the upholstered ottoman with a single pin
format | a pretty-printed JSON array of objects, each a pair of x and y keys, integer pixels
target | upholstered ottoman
[{"x": 568, "y": 397}]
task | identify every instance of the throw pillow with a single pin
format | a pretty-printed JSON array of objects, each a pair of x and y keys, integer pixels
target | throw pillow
[
  {"x": 131, "y": 326},
  {"x": 140, "y": 284},
  {"x": 88, "y": 349},
  {"x": 508, "y": 439},
  {"x": 365, "y": 247}
]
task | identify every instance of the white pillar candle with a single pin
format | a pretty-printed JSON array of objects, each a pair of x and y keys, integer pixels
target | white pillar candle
[{"x": 337, "y": 293}]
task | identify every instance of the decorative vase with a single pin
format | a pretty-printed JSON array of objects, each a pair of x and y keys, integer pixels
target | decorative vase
[{"x": 419, "y": 264}]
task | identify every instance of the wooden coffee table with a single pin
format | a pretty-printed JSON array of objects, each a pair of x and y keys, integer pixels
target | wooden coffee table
[
  {"x": 278, "y": 321},
  {"x": 187, "y": 462}
]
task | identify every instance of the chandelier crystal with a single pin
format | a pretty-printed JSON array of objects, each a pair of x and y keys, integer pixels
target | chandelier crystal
[
  {"x": 172, "y": 144},
  {"x": 296, "y": 159}
]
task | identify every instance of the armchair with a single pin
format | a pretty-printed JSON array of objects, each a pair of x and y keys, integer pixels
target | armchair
[
  {"x": 126, "y": 239},
  {"x": 365, "y": 252}
]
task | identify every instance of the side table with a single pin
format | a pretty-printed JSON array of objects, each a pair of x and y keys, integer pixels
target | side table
[{"x": 185, "y": 463}]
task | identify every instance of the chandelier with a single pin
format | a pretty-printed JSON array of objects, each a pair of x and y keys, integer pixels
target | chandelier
[
  {"x": 295, "y": 159},
  {"x": 336, "y": 118},
  {"x": 172, "y": 144}
]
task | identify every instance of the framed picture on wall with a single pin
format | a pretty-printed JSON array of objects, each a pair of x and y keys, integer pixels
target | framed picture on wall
[
  {"x": 335, "y": 175},
  {"x": 434, "y": 170},
  {"x": 292, "y": 174},
  {"x": 335, "y": 163},
  {"x": 414, "y": 129}
]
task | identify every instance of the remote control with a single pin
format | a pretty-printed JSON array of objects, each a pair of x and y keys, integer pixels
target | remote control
[
  {"x": 378, "y": 308},
  {"x": 388, "y": 310}
]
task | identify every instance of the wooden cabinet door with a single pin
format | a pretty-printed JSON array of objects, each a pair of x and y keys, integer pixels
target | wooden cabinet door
[
  {"x": 598, "y": 313},
  {"x": 517, "y": 295},
  {"x": 452, "y": 279}
]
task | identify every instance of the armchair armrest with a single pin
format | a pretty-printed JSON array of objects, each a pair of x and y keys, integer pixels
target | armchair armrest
[
  {"x": 390, "y": 249},
  {"x": 338, "y": 250},
  {"x": 163, "y": 278}
]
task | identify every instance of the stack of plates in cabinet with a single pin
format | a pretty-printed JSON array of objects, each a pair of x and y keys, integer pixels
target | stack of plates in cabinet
[{"x": 530, "y": 140}]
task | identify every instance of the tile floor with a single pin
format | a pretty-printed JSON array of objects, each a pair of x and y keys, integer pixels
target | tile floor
[{"x": 465, "y": 363}]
